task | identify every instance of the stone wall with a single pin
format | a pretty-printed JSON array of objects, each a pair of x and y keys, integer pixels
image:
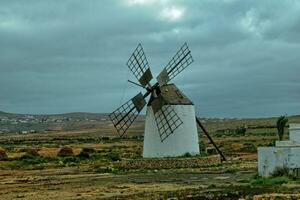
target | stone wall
[
  {"x": 169, "y": 163},
  {"x": 276, "y": 197}
]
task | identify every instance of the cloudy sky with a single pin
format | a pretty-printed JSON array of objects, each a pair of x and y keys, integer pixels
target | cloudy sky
[{"x": 70, "y": 55}]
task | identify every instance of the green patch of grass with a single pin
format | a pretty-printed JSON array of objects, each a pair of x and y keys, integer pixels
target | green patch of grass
[
  {"x": 203, "y": 154},
  {"x": 270, "y": 181},
  {"x": 36, "y": 162},
  {"x": 71, "y": 160},
  {"x": 33, "y": 160},
  {"x": 29, "y": 161}
]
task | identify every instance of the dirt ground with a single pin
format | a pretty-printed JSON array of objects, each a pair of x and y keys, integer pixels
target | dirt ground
[
  {"x": 82, "y": 183},
  {"x": 98, "y": 177}
]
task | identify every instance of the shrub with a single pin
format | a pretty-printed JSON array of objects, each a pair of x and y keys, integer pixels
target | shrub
[
  {"x": 281, "y": 171},
  {"x": 280, "y": 124},
  {"x": 3, "y": 155},
  {"x": 103, "y": 170},
  {"x": 32, "y": 160},
  {"x": 105, "y": 138},
  {"x": 83, "y": 154},
  {"x": 272, "y": 144},
  {"x": 210, "y": 151},
  {"x": 202, "y": 146},
  {"x": 114, "y": 156},
  {"x": 241, "y": 130},
  {"x": 187, "y": 154},
  {"x": 88, "y": 150},
  {"x": 65, "y": 151},
  {"x": 70, "y": 159}
]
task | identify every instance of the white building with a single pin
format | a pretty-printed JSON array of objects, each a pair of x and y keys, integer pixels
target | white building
[
  {"x": 185, "y": 137},
  {"x": 284, "y": 154}
]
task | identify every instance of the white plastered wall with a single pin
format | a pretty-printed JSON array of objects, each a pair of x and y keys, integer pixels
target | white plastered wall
[
  {"x": 183, "y": 140},
  {"x": 284, "y": 154}
]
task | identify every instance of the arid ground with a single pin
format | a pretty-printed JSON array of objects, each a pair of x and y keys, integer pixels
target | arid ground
[{"x": 98, "y": 167}]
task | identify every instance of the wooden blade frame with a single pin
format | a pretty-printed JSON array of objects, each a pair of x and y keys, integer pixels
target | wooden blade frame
[
  {"x": 139, "y": 66},
  {"x": 124, "y": 116},
  {"x": 167, "y": 121},
  {"x": 179, "y": 62}
]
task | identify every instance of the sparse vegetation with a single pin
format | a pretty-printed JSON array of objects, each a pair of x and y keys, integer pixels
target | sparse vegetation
[
  {"x": 27, "y": 159},
  {"x": 280, "y": 176},
  {"x": 97, "y": 164},
  {"x": 271, "y": 181},
  {"x": 280, "y": 124},
  {"x": 281, "y": 171},
  {"x": 114, "y": 156}
]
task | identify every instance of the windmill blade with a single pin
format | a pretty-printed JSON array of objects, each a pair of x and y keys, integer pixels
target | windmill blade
[
  {"x": 139, "y": 66},
  {"x": 124, "y": 116},
  {"x": 167, "y": 121},
  {"x": 179, "y": 62}
]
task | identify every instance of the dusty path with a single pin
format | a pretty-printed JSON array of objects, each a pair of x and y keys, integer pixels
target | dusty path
[{"x": 75, "y": 183}]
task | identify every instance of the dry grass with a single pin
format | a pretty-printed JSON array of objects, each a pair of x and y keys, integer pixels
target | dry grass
[{"x": 65, "y": 151}]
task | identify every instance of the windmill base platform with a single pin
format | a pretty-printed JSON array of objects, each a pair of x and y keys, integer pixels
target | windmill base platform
[{"x": 183, "y": 140}]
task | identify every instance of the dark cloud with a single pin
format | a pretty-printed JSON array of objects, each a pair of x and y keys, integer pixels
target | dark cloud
[{"x": 65, "y": 56}]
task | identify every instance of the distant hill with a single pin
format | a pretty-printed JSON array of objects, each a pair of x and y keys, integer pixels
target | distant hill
[{"x": 12, "y": 123}]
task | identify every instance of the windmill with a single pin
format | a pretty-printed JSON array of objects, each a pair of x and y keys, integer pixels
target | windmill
[{"x": 170, "y": 125}]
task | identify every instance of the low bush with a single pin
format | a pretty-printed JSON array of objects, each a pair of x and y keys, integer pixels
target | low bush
[
  {"x": 88, "y": 150},
  {"x": 103, "y": 170},
  {"x": 70, "y": 160},
  {"x": 105, "y": 138},
  {"x": 83, "y": 154},
  {"x": 187, "y": 154},
  {"x": 114, "y": 156},
  {"x": 203, "y": 154},
  {"x": 34, "y": 160},
  {"x": 281, "y": 171},
  {"x": 202, "y": 146},
  {"x": 240, "y": 130}
]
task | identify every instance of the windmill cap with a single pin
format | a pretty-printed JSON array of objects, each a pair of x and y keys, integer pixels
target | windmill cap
[{"x": 173, "y": 96}]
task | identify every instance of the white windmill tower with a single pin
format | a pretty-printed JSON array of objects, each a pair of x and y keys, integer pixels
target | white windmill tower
[{"x": 170, "y": 127}]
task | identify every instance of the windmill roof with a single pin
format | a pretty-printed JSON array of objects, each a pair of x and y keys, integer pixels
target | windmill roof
[{"x": 173, "y": 96}]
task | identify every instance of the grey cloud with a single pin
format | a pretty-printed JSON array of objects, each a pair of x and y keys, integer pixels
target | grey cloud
[{"x": 65, "y": 56}]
